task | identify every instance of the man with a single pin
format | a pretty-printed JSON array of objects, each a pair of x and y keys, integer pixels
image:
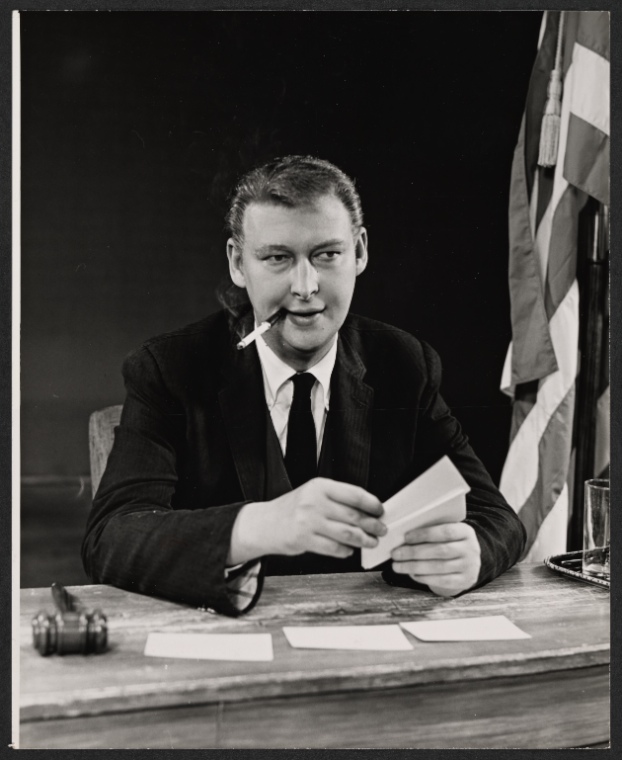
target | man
[{"x": 229, "y": 465}]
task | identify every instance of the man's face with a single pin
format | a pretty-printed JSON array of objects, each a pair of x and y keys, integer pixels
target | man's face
[{"x": 304, "y": 260}]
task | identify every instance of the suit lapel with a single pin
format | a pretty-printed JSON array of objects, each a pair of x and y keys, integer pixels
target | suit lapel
[
  {"x": 347, "y": 438},
  {"x": 277, "y": 479},
  {"x": 243, "y": 407}
]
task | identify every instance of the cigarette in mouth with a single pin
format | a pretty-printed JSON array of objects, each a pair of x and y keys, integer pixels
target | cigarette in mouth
[{"x": 260, "y": 330}]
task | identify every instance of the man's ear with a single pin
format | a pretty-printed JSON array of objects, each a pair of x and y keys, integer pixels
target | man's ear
[
  {"x": 235, "y": 264},
  {"x": 360, "y": 251}
]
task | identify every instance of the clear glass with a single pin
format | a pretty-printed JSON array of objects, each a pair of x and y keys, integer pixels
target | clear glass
[{"x": 596, "y": 542}]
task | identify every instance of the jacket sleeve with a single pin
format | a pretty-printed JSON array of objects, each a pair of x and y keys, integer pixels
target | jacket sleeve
[
  {"x": 500, "y": 533},
  {"x": 135, "y": 538}
]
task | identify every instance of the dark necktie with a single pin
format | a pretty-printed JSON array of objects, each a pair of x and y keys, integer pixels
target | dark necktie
[{"x": 301, "y": 449}]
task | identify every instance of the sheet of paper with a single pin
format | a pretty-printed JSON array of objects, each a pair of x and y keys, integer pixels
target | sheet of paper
[
  {"x": 438, "y": 483},
  {"x": 436, "y": 496},
  {"x": 371, "y": 637},
  {"x": 489, "y": 628},
  {"x": 453, "y": 510},
  {"x": 211, "y": 646}
]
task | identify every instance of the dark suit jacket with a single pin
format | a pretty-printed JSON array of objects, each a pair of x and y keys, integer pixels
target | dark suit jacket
[{"x": 196, "y": 443}]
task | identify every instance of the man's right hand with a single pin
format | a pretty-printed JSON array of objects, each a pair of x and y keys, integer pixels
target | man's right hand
[{"x": 321, "y": 516}]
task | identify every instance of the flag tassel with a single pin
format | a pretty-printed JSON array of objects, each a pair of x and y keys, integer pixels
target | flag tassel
[{"x": 551, "y": 121}]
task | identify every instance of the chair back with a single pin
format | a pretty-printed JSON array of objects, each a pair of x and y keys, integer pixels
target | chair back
[{"x": 101, "y": 436}]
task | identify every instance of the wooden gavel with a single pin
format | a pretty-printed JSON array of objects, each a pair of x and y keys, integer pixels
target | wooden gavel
[{"x": 70, "y": 630}]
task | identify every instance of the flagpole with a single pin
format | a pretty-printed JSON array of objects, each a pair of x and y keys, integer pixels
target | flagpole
[{"x": 594, "y": 279}]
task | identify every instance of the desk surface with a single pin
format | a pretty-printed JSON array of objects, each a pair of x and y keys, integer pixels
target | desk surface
[{"x": 562, "y": 670}]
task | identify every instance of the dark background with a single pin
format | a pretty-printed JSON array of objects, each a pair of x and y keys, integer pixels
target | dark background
[{"x": 135, "y": 125}]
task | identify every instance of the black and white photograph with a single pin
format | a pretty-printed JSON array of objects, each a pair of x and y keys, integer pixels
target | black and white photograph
[{"x": 311, "y": 359}]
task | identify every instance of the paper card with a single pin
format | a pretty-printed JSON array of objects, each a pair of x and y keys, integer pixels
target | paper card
[
  {"x": 489, "y": 628},
  {"x": 436, "y": 496},
  {"x": 211, "y": 646},
  {"x": 370, "y": 637},
  {"x": 453, "y": 510},
  {"x": 438, "y": 483}
]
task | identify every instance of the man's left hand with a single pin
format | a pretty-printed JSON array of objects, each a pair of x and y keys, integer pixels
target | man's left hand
[{"x": 446, "y": 558}]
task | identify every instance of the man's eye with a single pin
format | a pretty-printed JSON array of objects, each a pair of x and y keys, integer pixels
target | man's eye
[
  {"x": 276, "y": 258},
  {"x": 328, "y": 255}
]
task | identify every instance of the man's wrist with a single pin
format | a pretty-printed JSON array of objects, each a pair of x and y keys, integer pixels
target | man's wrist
[{"x": 250, "y": 537}]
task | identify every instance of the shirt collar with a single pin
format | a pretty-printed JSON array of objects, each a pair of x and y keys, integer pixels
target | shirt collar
[{"x": 276, "y": 372}]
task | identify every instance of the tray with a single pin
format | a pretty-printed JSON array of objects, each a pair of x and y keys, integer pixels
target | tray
[{"x": 570, "y": 564}]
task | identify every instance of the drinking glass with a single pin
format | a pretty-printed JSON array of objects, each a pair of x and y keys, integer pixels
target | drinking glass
[{"x": 596, "y": 529}]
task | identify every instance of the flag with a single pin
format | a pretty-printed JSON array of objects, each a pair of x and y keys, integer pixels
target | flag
[{"x": 542, "y": 362}]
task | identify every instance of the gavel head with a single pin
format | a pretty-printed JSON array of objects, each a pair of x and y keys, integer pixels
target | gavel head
[{"x": 70, "y": 632}]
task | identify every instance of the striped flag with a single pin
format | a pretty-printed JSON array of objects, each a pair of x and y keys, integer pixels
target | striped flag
[{"x": 542, "y": 362}]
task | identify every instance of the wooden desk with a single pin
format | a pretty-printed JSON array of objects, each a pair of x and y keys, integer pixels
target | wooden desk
[{"x": 548, "y": 691}]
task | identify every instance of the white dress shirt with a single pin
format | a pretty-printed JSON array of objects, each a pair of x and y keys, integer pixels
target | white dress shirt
[
  {"x": 241, "y": 579},
  {"x": 279, "y": 390}
]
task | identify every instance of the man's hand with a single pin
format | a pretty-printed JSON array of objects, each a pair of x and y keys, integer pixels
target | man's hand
[
  {"x": 322, "y": 516},
  {"x": 447, "y": 558}
]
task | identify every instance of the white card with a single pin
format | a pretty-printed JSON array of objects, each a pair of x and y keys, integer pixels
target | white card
[
  {"x": 371, "y": 637},
  {"x": 489, "y": 628},
  {"x": 211, "y": 646},
  {"x": 436, "y": 496}
]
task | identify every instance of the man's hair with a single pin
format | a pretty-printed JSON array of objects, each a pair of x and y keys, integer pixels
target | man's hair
[
  {"x": 292, "y": 181},
  {"x": 289, "y": 181}
]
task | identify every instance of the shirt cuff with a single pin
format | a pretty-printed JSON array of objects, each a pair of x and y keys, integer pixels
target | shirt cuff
[{"x": 242, "y": 582}]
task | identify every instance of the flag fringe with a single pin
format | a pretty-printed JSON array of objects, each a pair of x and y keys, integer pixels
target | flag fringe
[{"x": 551, "y": 122}]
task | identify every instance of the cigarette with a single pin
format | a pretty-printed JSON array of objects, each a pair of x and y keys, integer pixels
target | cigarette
[{"x": 260, "y": 330}]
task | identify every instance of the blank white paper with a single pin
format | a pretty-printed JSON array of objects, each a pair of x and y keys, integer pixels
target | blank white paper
[
  {"x": 436, "y": 496},
  {"x": 371, "y": 637},
  {"x": 489, "y": 628},
  {"x": 211, "y": 646}
]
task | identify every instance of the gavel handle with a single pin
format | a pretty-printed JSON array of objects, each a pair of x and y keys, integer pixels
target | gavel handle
[{"x": 64, "y": 601}]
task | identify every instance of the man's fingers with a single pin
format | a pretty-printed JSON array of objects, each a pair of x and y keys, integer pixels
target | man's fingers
[
  {"x": 446, "y": 558},
  {"x": 430, "y": 567},
  {"x": 353, "y": 516},
  {"x": 351, "y": 496},
  {"x": 445, "y": 551},
  {"x": 350, "y": 535},
  {"x": 373, "y": 527},
  {"x": 329, "y": 547},
  {"x": 455, "y": 531}
]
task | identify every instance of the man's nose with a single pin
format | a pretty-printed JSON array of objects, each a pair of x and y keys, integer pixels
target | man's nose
[{"x": 304, "y": 280}]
